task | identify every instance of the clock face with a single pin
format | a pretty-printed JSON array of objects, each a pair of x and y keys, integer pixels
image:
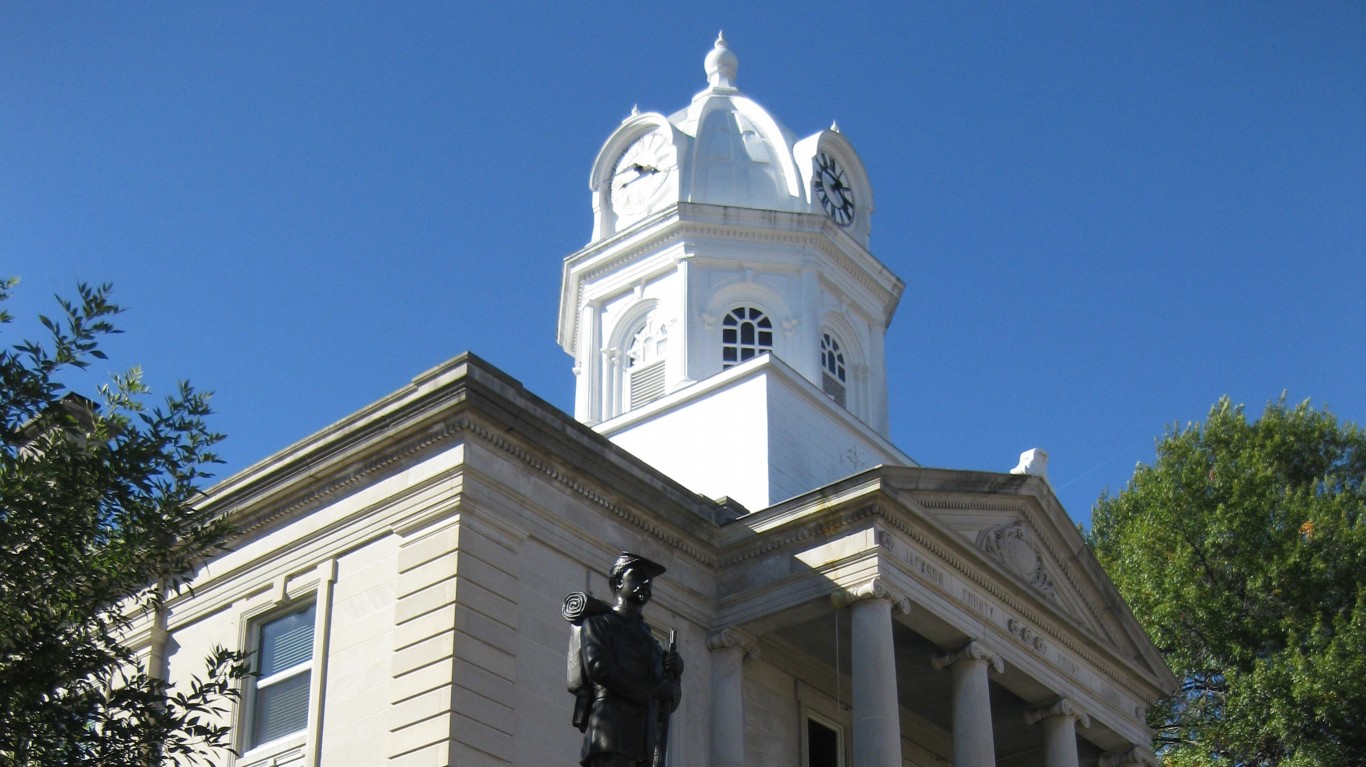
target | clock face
[
  {"x": 833, "y": 190},
  {"x": 640, "y": 172}
]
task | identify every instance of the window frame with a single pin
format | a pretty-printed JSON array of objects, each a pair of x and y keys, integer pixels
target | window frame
[
  {"x": 286, "y": 595},
  {"x": 834, "y": 371},
  {"x": 737, "y": 320},
  {"x": 841, "y": 742},
  {"x": 266, "y": 682}
]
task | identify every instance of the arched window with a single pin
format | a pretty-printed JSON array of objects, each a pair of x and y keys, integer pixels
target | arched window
[
  {"x": 745, "y": 333},
  {"x": 833, "y": 378}
]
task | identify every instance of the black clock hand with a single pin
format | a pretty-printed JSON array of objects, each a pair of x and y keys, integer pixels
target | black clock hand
[{"x": 642, "y": 171}]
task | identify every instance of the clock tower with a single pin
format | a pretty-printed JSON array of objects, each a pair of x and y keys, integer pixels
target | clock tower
[{"x": 727, "y": 318}]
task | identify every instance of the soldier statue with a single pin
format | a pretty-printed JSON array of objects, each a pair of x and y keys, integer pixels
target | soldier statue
[{"x": 625, "y": 685}]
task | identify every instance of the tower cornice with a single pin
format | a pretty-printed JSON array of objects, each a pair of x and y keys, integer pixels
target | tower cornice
[{"x": 686, "y": 222}]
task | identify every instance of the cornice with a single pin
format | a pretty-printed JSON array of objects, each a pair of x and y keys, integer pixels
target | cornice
[
  {"x": 469, "y": 427},
  {"x": 659, "y": 532},
  {"x": 262, "y": 516},
  {"x": 824, "y": 526},
  {"x": 672, "y": 226},
  {"x": 462, "y": 399}
]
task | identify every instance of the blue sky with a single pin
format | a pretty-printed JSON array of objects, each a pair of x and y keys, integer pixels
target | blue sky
[{"x": 1107, "y": 214}]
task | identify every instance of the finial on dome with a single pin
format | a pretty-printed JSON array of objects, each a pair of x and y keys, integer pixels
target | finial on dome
[
  {"x": 721, "y": 64},
  {"x": 834, "y": 126}
]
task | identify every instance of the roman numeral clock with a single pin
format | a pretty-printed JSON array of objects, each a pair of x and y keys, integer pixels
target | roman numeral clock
[{"x": 831, "y": 185}]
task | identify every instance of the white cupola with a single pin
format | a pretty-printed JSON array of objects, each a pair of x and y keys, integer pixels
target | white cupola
[
  {"x": 730, "y": 256},
  {"x": 724, "y": 149}
]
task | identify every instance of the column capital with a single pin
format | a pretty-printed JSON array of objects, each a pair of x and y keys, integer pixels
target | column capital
[
  {"x": 732, "y": 637},
  {"x": 973, "y": 650},
  {"x": 1135, "y": 755},
  {"x": 1063, "y": 707},
  {"x": 873, "y": 588}
]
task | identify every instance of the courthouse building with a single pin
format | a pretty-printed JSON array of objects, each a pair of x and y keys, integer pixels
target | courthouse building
[{"x": 400, "y": 573}]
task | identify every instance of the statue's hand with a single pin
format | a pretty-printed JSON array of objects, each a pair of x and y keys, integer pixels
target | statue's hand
[{"x": 673, "y": 663}]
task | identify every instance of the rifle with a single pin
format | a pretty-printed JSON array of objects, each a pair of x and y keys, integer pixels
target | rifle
[{"x": 665, "y": 712}]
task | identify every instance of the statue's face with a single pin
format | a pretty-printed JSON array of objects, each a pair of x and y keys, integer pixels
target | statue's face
[{"x": 636, "y": 587}]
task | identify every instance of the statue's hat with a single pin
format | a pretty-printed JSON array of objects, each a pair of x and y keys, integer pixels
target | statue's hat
[{"x": 629, "y": 561}]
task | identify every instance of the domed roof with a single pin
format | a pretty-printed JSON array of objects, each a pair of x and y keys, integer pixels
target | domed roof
[
  {"x": 721, "y": 149},
  {"x": 740, "y": 155}
]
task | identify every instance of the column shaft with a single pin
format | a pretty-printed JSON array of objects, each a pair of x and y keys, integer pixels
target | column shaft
[
  {"x": 1059, "y": 741},
  {"x": 877, "y": 721},
  {"x": 1058, "y": 725},
  {"x": 727, "y": 707},
  {"x": 973, "y": 742}
]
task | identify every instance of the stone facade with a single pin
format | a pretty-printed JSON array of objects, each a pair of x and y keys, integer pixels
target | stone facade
[
  {"x": 438, "y": 530},
  {"x": 403, "y": 570}
]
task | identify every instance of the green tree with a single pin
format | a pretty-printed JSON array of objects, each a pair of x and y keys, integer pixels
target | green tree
[
  {"x": 1242, "y": 551},
  {"x": 97, "y": 527}
]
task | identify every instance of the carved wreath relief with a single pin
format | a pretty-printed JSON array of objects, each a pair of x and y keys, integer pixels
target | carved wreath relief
[{"x": 1011, "y": 545}]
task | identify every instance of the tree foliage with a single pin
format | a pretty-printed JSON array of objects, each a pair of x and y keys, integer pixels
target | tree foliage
[
  {"x": 97, "y": 527},
  {"x": 1242, "y": 551}
]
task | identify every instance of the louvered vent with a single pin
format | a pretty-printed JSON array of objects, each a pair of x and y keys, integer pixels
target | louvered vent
[
  {"x": 647, "y": 384},
  {"x": 833, "y": 389}
]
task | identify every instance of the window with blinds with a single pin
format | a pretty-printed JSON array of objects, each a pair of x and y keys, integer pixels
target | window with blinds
[{"x": 284, "y": 663}]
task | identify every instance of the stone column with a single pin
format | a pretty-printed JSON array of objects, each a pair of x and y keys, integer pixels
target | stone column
[
  {"x": 877, "y": 716},
  {"x": 1059, "y": 725},
  {"x": 729, "y": 648},
  {"x": 973, "y": 742}
]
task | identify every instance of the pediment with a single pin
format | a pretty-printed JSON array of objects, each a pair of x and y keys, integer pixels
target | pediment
[
  {"x": 1008, "y": 533},
  {"x": 1014, "y": 525},
  {"x": 1016, "y": 548}
]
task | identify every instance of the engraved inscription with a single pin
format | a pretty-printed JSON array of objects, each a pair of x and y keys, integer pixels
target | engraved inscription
[
  {"x": 929, "y": 571},
  {"x": 976, "y": 602},
  {"x": 924, "y": 567}
]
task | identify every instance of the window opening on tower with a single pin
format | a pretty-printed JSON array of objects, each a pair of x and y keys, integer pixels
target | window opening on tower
[
  {"x": 833, "y": 379},
  {"x": 746, "y": 332},
  {"x": 645, "y": 363}
]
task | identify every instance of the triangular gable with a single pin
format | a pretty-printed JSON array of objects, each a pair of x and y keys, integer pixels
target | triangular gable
[{"x": 1017, "y": 526}]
